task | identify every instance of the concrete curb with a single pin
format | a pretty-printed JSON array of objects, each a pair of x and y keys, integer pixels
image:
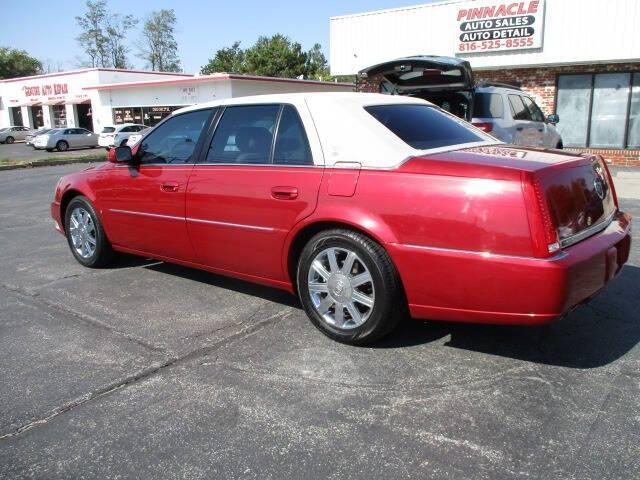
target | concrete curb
[{"x": 50, "y": 162}]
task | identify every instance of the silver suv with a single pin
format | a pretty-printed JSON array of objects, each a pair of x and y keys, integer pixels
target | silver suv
[
  {"x": 512, "y": 116},
  {"x": 504, "y": 111}
]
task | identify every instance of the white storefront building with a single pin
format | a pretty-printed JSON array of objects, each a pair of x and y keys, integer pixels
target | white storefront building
[
  {"x": 96, "y": 97},
  {"x": 580, "y": 59}
]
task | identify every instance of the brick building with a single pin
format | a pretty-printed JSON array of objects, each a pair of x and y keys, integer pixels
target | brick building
[{"x": 578, "y": 58}]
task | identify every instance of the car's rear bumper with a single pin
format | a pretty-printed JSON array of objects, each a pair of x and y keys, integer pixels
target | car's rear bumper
[{"x": 443, "y": 284}]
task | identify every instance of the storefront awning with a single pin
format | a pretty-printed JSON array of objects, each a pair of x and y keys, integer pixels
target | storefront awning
[{"x": 54, "y": 102}]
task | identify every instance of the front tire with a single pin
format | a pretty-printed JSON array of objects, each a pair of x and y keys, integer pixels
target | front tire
[
  {"x": 349, "y": 287},
  {"x": 85, "y": 234},
  {"x": 62, "y": 146},
  {"x": 9, "y": 140}
]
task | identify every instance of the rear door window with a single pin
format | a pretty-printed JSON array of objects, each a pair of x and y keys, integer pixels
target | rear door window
[
  {"x": 518, "y": 110},
  {"x": 424, "y": 127},
  {"x": 488, "y": 105},
  {"x": 292, "y": 146},
  {"x": 244, "y": 135}
]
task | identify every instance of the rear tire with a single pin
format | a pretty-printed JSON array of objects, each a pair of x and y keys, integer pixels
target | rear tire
[
  {"x": 559, "y": 146},
  {"x": 62, "y": 146},
  {"x": 85, "y": 234},
  {"x": 356, "y": 296},
  {"x": 9, "y": 140}
]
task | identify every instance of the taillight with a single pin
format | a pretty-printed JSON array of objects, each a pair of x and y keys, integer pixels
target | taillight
[
  {"x": 484, "y": 126},
  {"x": 544, "y": 234}
]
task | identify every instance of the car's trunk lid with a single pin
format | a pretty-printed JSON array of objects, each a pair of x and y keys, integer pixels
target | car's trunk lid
[{"x": 423, "y": 74}]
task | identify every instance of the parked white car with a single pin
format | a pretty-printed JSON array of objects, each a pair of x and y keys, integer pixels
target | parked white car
[{"x": 118, "y": 135}]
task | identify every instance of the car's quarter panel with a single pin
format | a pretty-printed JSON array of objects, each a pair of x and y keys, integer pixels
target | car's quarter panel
[
  {"x": 140, "y": 212},
  {"x": 239, "y": 216}
]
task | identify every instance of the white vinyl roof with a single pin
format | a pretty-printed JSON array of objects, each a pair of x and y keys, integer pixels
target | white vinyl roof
[{"x": 346, "y": 134}]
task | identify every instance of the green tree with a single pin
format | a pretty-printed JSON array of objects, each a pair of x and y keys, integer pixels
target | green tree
[
  {"x": 159, "y": 47},
  {"x": 103, "y": 35},
  {"x": 317, "y": 67},
  {"x": 116, "y": 28},
  {"x": 227, "y": 59},
  {"x": 93, "y": 39},
  {"x": 17, "y": 63},
  {"x": 275, "y": 56}
]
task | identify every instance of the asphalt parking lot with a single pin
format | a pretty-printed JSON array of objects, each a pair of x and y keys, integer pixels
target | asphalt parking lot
[
  {"x": 21, "y": 152},
  {"x": 149, "y": 370}
]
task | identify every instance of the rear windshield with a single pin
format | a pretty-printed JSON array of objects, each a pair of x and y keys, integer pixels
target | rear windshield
[
  {"x": 424, "y": 127},
  {"x": 488, "y": 105},
  {"x": 108, "y": 129}
]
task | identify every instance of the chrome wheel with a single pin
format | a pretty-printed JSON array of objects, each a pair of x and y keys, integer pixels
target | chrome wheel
[
  {"x": 83, "y": 232},
  {"x": 341, "y": 288}
]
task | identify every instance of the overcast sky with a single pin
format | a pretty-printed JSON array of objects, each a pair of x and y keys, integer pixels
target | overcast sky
[{"x": 47, "y": 29}]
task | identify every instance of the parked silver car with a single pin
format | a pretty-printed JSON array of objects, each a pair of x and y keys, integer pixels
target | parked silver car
[
  {"x": 502, "y": 110},
  {"x": 31, "y": 136},
  {"x": 63, "y": 139},
  {"x": 11, "y": 134}
]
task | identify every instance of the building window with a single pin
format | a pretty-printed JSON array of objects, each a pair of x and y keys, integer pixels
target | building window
[
  {"x": 599, "y": 110},
  {"x": 59, "y": 116},
  {"x": 634, "y": 114}
]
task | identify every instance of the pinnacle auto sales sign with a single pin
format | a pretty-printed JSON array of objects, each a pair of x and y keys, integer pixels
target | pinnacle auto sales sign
[{"x": 491, "y": 26}]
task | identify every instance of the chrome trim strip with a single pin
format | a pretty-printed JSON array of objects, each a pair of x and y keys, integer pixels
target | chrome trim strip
[
  {"x": 487, "y": 255},
  {"x": 592, "y": 230},
  {"x": 282, "y": 165},
  {"x": 195, "y": 220},
  {"x": 145, "y": 214},
  {"x": 236, "y": 225}
]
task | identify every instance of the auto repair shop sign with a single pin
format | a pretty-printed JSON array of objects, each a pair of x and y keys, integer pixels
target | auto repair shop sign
[{"x": 490, "y": 26}]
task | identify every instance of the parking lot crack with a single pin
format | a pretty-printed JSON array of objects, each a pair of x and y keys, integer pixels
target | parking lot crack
[
  {"x": 146, "y": 373},
  {"x": 35, "y": 300}
]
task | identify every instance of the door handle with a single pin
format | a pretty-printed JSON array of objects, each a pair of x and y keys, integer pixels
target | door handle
[
  {"x": 519, "y": 128},
  {"x": 169, "y": 187},
  {"x": 284, "y": 193},
  {"x": 541, "y": 129}
]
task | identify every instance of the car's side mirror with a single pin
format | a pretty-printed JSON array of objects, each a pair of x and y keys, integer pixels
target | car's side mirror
[
  {"x": 553, "y": 119},
  {"x": 121, "y": 155}
]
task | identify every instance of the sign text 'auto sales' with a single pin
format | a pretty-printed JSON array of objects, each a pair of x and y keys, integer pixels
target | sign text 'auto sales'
[{"x": 490, "y": 26}]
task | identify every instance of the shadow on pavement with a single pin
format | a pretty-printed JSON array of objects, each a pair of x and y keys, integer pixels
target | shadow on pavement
[{"x": 591, "y": 336}]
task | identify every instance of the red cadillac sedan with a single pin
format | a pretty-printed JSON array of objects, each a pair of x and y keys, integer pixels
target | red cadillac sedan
[{"x": 368, "y": 207}]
